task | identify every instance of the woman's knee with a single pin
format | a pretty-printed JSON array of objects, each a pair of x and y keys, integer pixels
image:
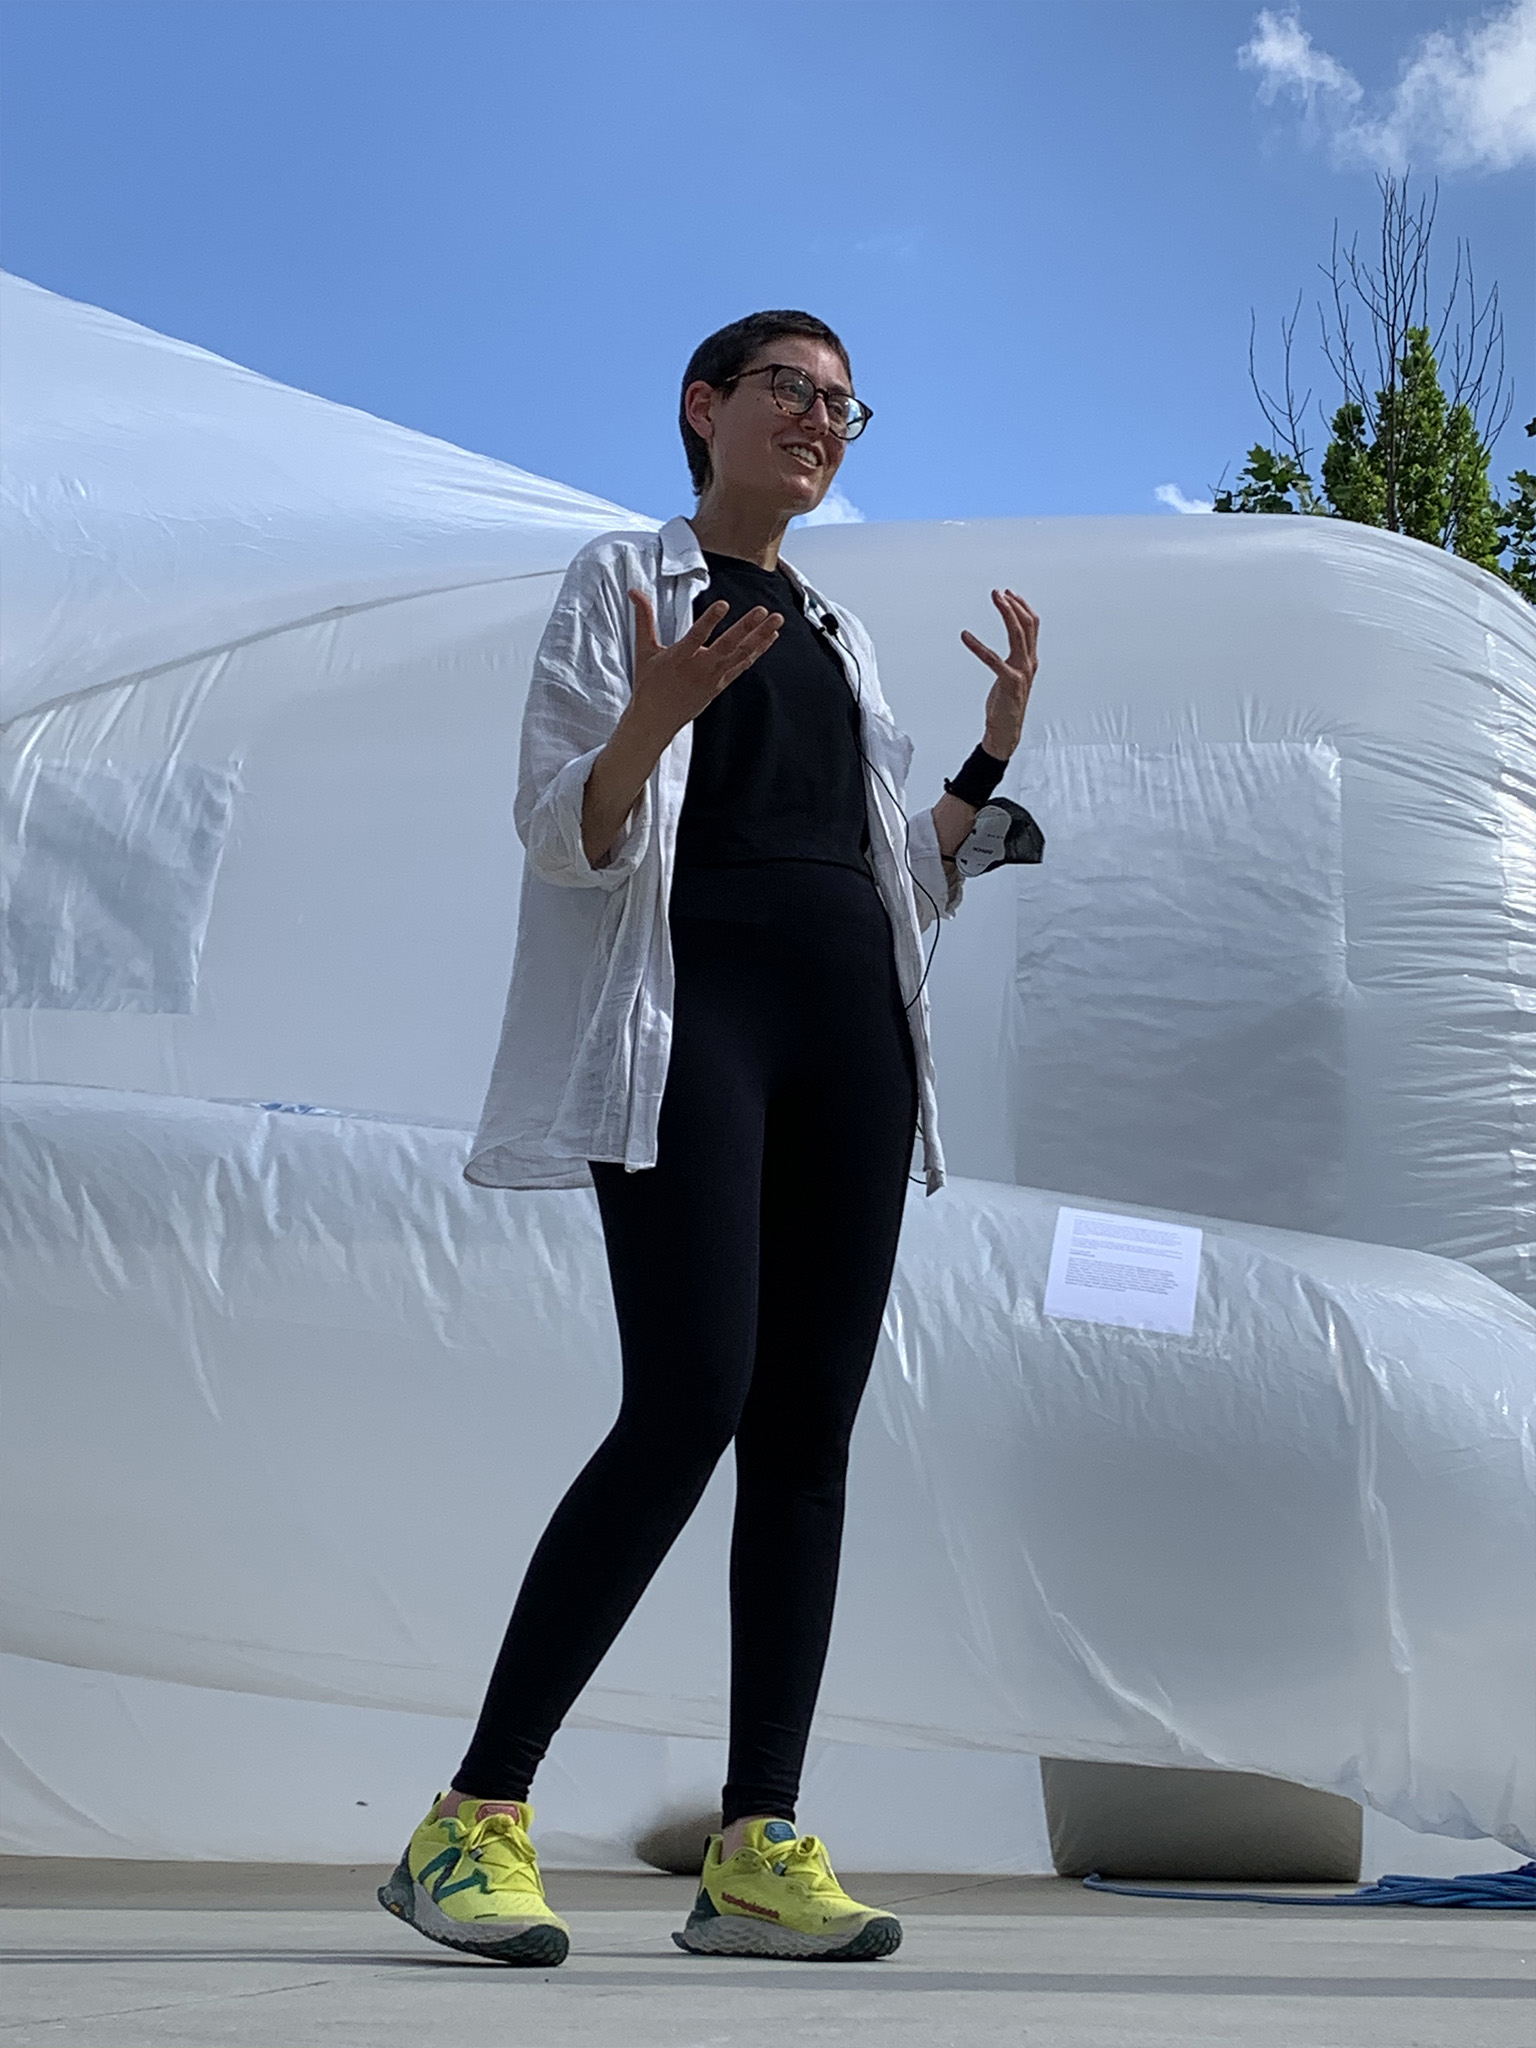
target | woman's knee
[
  {"x": 804, "y": 1461},
  {"x": 675, "y": 1436}
]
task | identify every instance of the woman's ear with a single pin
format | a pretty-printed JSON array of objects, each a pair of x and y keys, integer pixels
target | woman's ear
[{"x": 699, "y": 402}]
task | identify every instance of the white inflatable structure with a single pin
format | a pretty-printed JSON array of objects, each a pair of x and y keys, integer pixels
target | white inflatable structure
[
  {"x": 1279, "y": 961},
  {"x": 263, "y": 667}
]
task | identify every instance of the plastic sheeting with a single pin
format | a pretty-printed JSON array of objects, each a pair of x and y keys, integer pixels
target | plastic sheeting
[
  {"x": 274, "y": 1346},
  {"x": 215, "y": 583},
  {"x": 264, "y": 670},
  {"x": 111, "y": 883},
  {"x": 1279, "y": 962},
  {"x": 162, "y": 503},
  {"x": 86, "y": 1757}
]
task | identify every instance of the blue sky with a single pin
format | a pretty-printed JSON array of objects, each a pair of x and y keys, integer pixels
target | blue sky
[{"x": 1040, "y": 226}]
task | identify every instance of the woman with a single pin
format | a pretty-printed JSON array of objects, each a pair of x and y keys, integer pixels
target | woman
[{"x": 717, "y": 1020}]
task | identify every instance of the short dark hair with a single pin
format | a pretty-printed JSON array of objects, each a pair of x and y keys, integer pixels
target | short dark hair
[{"x": 727, "y": 353}]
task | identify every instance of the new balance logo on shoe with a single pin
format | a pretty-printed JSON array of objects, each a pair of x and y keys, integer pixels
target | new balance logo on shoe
[{"x": 440, "y": 1868}]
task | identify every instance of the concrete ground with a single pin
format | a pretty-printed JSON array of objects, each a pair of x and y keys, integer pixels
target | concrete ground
[{"x": 117, "y": 1955}]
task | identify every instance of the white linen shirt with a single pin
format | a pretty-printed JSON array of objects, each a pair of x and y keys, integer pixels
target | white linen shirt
[{"x": 587, "y": 1032}]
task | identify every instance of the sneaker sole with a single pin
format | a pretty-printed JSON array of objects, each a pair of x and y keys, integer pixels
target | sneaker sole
[
  {"x": 536, "y": 1945},
  {"x": 732, "y": 1934}
]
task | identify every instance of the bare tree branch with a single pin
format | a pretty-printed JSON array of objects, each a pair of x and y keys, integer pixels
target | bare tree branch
[
  {"x": 1472, "y": 361},
  {"x": 1391, "y": 296},
  {"x": 1284, "y": 414}
]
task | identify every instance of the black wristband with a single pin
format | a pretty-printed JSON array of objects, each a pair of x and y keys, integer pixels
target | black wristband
[{"x": 978, "y": 778}]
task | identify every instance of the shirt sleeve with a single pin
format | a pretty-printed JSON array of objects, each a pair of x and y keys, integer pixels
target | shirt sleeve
[
  {"x": 937, "y": 894},
  {"x": 580, "y": 685}
]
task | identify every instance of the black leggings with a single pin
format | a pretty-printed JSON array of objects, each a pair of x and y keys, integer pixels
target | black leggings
[{"x": 750, "y": 1268}]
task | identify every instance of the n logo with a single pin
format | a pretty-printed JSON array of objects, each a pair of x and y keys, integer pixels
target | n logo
[{"x": 434, "y": 1876}]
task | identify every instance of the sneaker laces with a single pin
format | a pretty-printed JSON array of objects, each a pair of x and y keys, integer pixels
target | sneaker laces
[
  {"x": 503, "y": 1846},
  {"x": 806, "y": 1858}
]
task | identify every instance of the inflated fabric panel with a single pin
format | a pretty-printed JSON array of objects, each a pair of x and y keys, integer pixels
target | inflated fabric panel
[
  {"x": 1181, "y": 961},
  {"x": 109, "y": 877}
]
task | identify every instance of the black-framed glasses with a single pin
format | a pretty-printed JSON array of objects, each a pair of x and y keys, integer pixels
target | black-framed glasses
[{"x": 795, "y": 392}]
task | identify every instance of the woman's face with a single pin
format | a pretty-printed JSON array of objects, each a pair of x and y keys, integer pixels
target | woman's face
[{"x": 759, "y": 451}]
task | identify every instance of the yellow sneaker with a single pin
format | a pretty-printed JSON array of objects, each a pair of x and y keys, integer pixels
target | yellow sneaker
[
  {"x": 471, "y": 1881},
  {"x": 778, "y": 1896}
]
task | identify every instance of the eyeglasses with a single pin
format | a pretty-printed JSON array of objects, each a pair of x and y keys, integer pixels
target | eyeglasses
[{"x": 795, "y": 393}]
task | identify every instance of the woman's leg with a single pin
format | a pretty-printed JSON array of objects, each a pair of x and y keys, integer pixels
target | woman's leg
[
  {"x": 838, "y": 1150},
  {"x": 682, "y": 1244}
]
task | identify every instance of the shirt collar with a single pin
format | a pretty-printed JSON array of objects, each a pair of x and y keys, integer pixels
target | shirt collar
[
  {"x": 812, "y": 595},
  {"x": 680, "y": 550}
]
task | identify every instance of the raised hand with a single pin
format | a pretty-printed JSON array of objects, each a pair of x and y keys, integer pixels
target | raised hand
[
  {"x": 1008, "y": 698},
  {"x": 672, "y": 685}
]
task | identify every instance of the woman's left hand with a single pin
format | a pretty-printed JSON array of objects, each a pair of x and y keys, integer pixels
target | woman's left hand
[{"x": 1008, "y": 698}]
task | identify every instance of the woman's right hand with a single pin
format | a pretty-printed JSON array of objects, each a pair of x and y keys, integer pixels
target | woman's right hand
[{"x": 672, "y": 685}]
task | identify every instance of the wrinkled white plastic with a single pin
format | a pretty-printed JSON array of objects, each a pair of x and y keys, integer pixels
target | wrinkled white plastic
[
  {"x": 86, "y": 1756},
  {"x": 279, "y": 1346},
  {"x": 162, "y": 502},
  {"x": 1279, "y": 961},
  {"x": 1278, "y": 965}
]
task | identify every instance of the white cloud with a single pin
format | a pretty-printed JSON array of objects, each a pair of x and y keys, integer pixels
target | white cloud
[
  {"x": 1287, "y": 60},
  {"x": 834, "y": 510},
  {"x": 1171, "y": 496},
  {"x": 1464, "y": 101}
]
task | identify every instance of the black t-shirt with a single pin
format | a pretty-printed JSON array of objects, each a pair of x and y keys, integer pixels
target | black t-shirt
[{"x": 776, "y": 772}]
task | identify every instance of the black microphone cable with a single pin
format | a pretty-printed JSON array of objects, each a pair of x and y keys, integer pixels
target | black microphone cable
[{"x": 829, "y": 626}]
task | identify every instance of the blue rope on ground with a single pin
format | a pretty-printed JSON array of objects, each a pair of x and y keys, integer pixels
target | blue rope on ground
[{"x": 1506, "y": 1888}]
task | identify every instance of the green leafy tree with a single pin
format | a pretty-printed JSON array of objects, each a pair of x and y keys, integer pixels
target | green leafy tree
[
  {"x": 1471, "y": 510},
  {"x": 1408, "y": 445},
  {"x": 1352, "y": 480},
  {"x": 1410, "y": 432},
  {"x": 1517, "y": 530},
  {"x": 1268, "y": 482}
]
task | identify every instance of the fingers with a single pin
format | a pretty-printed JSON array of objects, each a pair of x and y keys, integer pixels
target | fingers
[
  {"x": 1023, "y": 625},
  {"x": 646, "y": 642},
  {"x": 984, "y": 653},
  {"x": 757, "y": 625},
  {"x": 1023, "y": 637},
  {"x": 1005, "y": 604},
  {"x": 710, "y": 663},
  {"x": 698, "y": 633},
  {"x": 736, "y": 650}
]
